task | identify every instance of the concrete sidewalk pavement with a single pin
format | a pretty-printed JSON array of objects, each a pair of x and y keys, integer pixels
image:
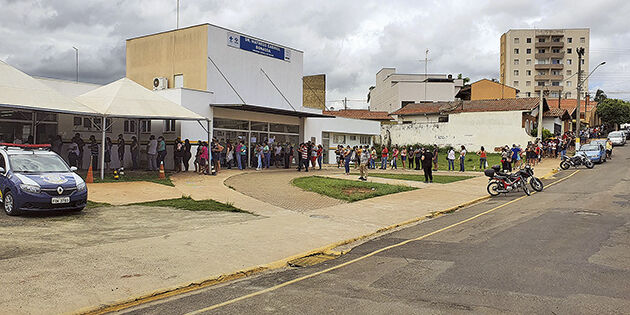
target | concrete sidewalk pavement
[{"x": 82, "y": 278}]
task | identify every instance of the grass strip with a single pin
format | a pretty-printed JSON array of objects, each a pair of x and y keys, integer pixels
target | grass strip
[
  {"x": 440, "y": 179},
  {"x": 187, "y": 203},
  {"x": 348, "y": 190}
]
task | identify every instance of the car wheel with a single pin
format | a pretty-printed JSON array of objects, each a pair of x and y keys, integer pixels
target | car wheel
[{"x": 9, "y": 204}]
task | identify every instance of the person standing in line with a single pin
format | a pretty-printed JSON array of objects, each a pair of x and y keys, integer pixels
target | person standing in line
[
  {"x": 515, "y": 154},
  {"x": 338, "y": 156},
  {"x": 505, "y": 154},
  {"x": 94, "y": 152},
  {"x": 412, "y": 157},
  {"x": 161, "y": 151},
  {"x": 187, "y": 154},
  {"x": 229, "y": 154},
  {"x": 197, "y": 161},
  {"x": 279, "y": 156},
  {"x": 204, "y": 159},
  {"x": 215, "y": 150},
  {"x": 299, "y": 156},
  {"x": 314, "y": 156},
  {"x": 152, "y": 153},
  {"x": 355, "y": 157},
  {"x": 482, "y": 158},
  {"x": 108, "y": 152},
  {"x": 178, "y": 155},
  {"x": 259, "y": 157},
  {"x": 237, "y": 155},
  {"x": 243, "y": 155},
  {"x": 403, "y": 157},
  {"x": 462, "y": 159},
  {"x": 384, "y": 155},
  {"x": 395, "y": 158},
  {"x": 288, "y": 155},
  {"x": 121, "y": 150},
  {"x": 80, "y": 144},
  {"x": 134, "y": 148},
  {"x": 56, "y": 145},
  {"x": 347, "y": 155},
  {"x": 73, "y": 154},
  {"x": 427, "y": 159},
  {"x": 450, "y": 157},
  {"x": 363, "y": 169},
  {"x": 418, "y": 157},
  {"x": 320, "y": 156},
  {"x": 436, "y": 150},
  {"x": 266, "y": 154}
]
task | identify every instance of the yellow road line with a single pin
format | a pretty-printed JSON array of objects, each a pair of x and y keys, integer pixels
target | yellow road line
[{"x": 284, "y": 284}]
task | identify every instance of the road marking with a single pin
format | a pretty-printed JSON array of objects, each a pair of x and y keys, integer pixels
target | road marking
[{"x": 284, "y": 284}]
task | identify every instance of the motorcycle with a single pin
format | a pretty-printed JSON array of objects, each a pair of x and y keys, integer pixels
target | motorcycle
[
  {"x": 503, "y": 183},
  {"x": 528, "y": 174},
  {"x": 575, "y": 161}
]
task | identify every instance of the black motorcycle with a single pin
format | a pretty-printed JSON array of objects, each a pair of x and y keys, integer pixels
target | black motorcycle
[
  {"x": 575, "y": 161},
  {"x": 528, "y": 174}
]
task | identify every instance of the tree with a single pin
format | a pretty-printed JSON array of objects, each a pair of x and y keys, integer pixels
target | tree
[
  {"x": 600, "y": 96},
  {"x": 546, "y": 134},
  {"x": 614, "y": 112},
  {"x": 466, "y": 79}
]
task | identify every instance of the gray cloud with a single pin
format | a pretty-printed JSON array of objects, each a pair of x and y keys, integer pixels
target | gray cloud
[{"x": 349, "y": 41}]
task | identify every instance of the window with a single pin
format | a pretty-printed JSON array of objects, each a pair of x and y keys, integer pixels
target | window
[
  {"x": 555, "y": 83},
  {"x": 555, "y": 51},
  {"x": 582, "y": 61},
  {"x": 569, "y": 50},
  {"x": 568, "y": 95},
  {"x": 129, "y": 126},
  {"x": 528, "y": 83},
  {"x": 556, "y": 39},
  {"x": 541, "y": 51},
  {"x": 178, "y": 81},
  {"x": 568, "y": 61},
  {"x": 516, "y": 62},
  {"x": 259, "y": 126},
  {"x": 555, "y": 94},
  {"x": 542, "y": 61},
  {"x": 443, "y": 119},
  {"x": 529, "y": 50},
  {"x": 569, "y": 40},
  {"x": 515, "y": 83},
  {"x": 285, "y": 128},
  {"x": 516, "y": 51},
  {"x": 224, "y": 123},
  {"x": 516, "y": 40},
  {"x": 169, "y": 125},
  {"x": 87, "y": 123},
  {"x": 353, "y": 138},
  {"x": 145, "y": 126},
  {"x": 528, "y": 62},
  {"x": 78, "y": 121},
  {"x": 529, "y": 40},
  {"x": 339, "y": 139},
  {"x": 541, "y": 83},
  {"x": 541, "y": 40},
  {"x": 515, "y": 72},
  {"x": 528, "y": 72},
  {"x": 556, "y": 61},
  {"x": 529, "y": 94},
  {"x": 582, "y": 40},
  {"x": 556, "y": 72},
  {"x": 568, "y": 72},
  {"x": 365, "y": 140},
  {"x": 568, "y": 83}
]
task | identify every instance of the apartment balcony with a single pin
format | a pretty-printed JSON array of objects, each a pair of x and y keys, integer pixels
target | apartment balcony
[
  {"x": 549, "y": 66},
  {"x": 550, "y": 55},
  {"x": 549, "y": 44},
  {"x": 550, "y": 88},
  {"x": 546, "y": 77}
]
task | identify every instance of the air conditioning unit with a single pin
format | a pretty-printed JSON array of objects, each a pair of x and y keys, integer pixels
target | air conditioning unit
[{"x": 160, "y": 83}]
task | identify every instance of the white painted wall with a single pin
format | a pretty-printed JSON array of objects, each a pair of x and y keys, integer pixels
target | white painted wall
[
  {"x": 242, "y": 69},
  {"x": 488, "y": 129},
  {"x": 314, "y": 126},
  {"x": 549, "y": 122}
]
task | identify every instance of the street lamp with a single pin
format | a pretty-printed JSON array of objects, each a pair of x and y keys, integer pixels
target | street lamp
[
  {"x": 76, "y": 50},
  {"x": 580, "y": 52}
]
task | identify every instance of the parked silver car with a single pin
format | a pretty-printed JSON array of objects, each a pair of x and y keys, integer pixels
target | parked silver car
[{"x": 617, "y": 137}]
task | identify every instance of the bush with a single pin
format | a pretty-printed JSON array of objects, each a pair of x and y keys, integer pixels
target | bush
[{"x": 546, "y": 134}]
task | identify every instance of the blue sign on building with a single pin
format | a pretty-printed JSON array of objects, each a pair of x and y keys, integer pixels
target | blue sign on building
[{"x": 258, "y": 46}]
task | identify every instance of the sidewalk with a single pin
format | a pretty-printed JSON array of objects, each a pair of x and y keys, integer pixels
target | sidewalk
[{"x": 80, "y": 279}]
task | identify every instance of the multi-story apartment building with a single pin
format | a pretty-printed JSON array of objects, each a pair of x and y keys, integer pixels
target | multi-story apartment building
[{"x": 544, "y": 59}]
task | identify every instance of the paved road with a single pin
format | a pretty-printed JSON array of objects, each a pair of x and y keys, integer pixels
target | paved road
[{"x": 563, "y": 251}]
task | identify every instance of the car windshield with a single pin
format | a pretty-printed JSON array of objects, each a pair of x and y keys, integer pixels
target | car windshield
[
  {"x": 589, "y": 147},
  {"x": 615, "y": 134},
  {"x": 37, "y": 163}
]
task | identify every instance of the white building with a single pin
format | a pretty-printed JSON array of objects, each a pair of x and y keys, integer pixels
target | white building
[{"x": 395, "y": 90}]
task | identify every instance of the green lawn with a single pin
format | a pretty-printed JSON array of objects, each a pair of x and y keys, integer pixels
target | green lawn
[
  {"x": 471, "y": 163},
  {"x": 348, "y": 190},
  {"x": 187, "y": 203},
  {"x": 131, "y": 176},
  {"x": 441, "y": 179}
]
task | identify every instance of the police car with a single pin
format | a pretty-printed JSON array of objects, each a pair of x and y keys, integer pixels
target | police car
[{"x": 32, "y": 178}]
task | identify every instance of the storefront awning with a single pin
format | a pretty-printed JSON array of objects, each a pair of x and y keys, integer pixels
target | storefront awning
[{"x": 270, "y": 110}]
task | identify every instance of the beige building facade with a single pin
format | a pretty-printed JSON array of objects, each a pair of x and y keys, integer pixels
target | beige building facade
[{"x": 544, "y": 59}]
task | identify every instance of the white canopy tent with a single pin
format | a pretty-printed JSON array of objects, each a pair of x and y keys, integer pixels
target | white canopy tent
[{"x": 127, "y": 99}]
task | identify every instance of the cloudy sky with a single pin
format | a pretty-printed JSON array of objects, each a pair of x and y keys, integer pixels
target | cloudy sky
[{"x": 347, "y": 40}]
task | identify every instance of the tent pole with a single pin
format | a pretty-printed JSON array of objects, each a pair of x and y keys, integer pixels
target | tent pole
[{"x": 103, "y": 150}]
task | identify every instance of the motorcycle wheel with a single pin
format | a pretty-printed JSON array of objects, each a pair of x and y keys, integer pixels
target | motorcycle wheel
[
  {"x": 589, "y": 164},
  {"x": 536, "y": 183},
  {"x": 525, "y": 188},
  {"x": 493, "y": 188},
  {"x": 565, "y": 165}
]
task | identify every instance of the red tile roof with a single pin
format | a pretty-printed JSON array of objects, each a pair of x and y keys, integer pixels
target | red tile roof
[
  {"x": 571, "y": 104},
  {"x": 556, "y": 112},
  {"x": 501, "y": 105},
  {"x": 424, "y": 108},
  {"x": 359, "y": 114}
]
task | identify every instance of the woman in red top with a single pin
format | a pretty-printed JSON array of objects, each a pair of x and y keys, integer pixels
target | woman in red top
[
  {"x": 384, "y": 155},
  {"x": 483, "y": 157},
  {"x": 320, "y": 155}
]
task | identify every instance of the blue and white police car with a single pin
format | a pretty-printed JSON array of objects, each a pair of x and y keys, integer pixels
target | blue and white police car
[{"x": 32, "y": 178}]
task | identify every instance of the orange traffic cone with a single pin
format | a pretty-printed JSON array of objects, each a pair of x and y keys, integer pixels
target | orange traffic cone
[
  {"x": 90, "y": 176},
  {"x": 162, "y": 176}
]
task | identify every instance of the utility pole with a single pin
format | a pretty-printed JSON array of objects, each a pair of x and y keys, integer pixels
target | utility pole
[
  {"x": 580, "y": 52},
  {"x": 540, "y": 114},
  {"x": 345, "y": 103},
  {"x": 76, "y": 50},
  {"x": 177, "y": 27},
  {"x": 426, "y": 78}
]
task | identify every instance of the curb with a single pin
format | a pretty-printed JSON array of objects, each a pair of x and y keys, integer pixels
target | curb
[{"x": 196, "y": 285}]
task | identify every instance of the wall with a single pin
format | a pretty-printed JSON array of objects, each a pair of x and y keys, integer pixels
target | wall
[
  {"x": 182, "y": 51},
  {"x": 488, "y": 90},
  {"x": 314, "y": 91},
  {"x": 313, "y": 128},
  {"x": 549, "y": 122},
  {"x": 489, "y": 129}
]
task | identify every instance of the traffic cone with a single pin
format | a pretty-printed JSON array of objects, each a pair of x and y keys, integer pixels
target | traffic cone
[
  {"x": 162, "y": 175},
  {"x": 90, "y": 176}
]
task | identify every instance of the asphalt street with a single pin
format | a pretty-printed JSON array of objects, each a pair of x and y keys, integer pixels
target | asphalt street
[{"x": 565, "y": 250}]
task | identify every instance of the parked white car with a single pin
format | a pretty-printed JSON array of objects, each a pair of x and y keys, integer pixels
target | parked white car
[{"x": 617, "y": 137}]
